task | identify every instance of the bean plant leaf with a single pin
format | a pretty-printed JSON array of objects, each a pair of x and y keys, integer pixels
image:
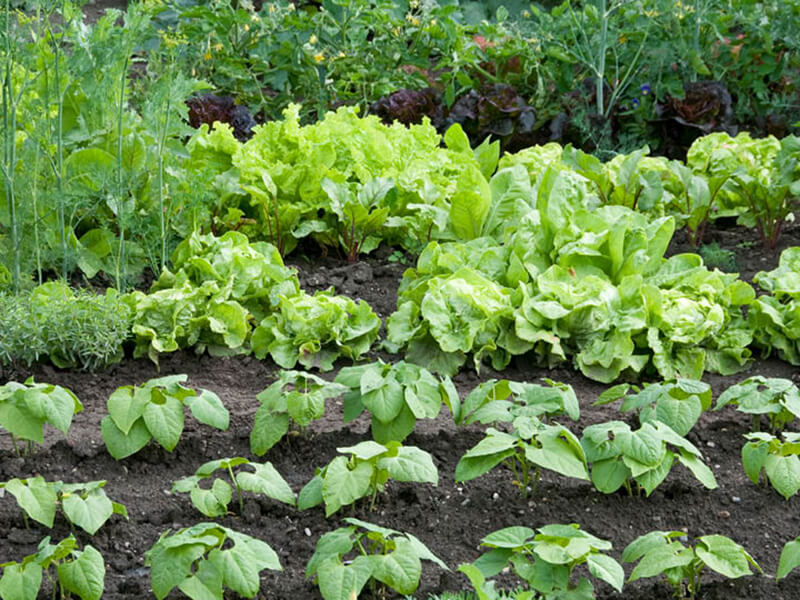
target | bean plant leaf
[
  {"x": 36, "y": 498},
  {"x": 789, "y": 560},
  {"x": 84, "y": 575},
  {"x": 268, "y": 429},
  {"x": 344, "y": 582},
  {"x": 204, "y": 584},
  {"x": 163, "y": 416},
  {"x": 119, "y": 444},
  {"x": 21, "y": 581},
  {"x": 87, "y": 513},
  {"x": 266, "y": 480},
  {"x": 410, "y": 464},
  {"x": 400, "y": 569},
  {"x": 606, "y": 568},
  {"x": 212, "y": 502},
  {"x": 723, "y": 555},
  {"x": 343, "y": 486},
  {"x": 661, "y": 558},
  {"x": 207, "y": 408},
  {"x": 126, "y": 406}
]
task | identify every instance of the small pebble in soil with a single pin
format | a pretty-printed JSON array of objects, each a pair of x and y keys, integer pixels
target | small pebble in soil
[
  {"x": 724, "y": 514},
  {"x": 307, "y": 531},
  {"x": 711, "y": 444},
  {"x": 736, "y": 499},
  {"x": 495, "y": 496},
  {"x": 465, "y": 502}
]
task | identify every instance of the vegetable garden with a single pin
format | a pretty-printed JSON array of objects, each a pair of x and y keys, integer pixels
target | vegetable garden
[{"x": 509, "y": 309}]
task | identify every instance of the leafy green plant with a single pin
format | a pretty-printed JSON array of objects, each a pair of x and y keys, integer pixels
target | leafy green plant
[
  {"x": 154, "y": 410},
  {"x": 662, "y": 553},
  {"x": 365, "y": 473},
  {"x": 79, "y": 572},
  {"x": 83, "y": 505},
  {"x": 349, "y": 558},
  {"x": 316, "y": 330},
  {"x": 295, "y": 398},
  {"x": 777, "y": 398},
  {"x": 213, "y": 501},
  {"x": 774, "y": 317},
  {"x": 26, "y": 407},
  {"x": 203, "y": 559},
  {"x": 496, "y": 401},
  {"x": 778, "y": 459},
  {"x": 677, "y": 404},
  {"x": 396, "y": 395},
  {"x": 71, "y": 328},
  {"x": 789, "y": 559},
  {"x": 545, "y": 560},
  {"x": 530, "y": 447},
  {"x": 621, "y": 457},
  {"x": 717, "y": 257}
]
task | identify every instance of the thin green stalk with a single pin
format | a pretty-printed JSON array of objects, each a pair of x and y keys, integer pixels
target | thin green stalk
[
  {"x": 162, "y": 218},
  {"x": 238, "y": 491},
  {"x": 121, "y": 258},
  {"x": 601, "y": 58}
]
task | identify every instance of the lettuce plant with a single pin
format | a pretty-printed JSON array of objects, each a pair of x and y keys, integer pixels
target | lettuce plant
[
  {"x": 775, "y": 317},
  {"x": 84, "y": 505},
  {"x": 396, "y": 395},
  {"x": 213, "y": 501},
  {"x": 530, "y": 447},
  {"x": 621, "y": 457},
  {"x": 364, "y": 473},
  {"x": 26, "y": 407},
  {"x": 203, "y": 559},
  {"x": 662, "y": 553},
  {"x": 79, "y": 572},
  {"x": 777, "y": 398},
  {"x": 778, "y": 459},
  {"x": 316, "y": 330},
  {"x": 545, "y": 560},
  {"x": 295, "y": 398},
  {"x": 349, "y": 558},
  {"x": 154, "y": 410},
  {"x": 677, "y": 404}
]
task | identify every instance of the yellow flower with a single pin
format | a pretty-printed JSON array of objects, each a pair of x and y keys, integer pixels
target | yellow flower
[
  {"x": 272, "y": 8},
  {"x": 312, "y": 39},
  {"x": 341, "y": 54},
  {"x": 207, "y": 56},
  {"x": 246, "y": 27},
  {"x": 622, "y": 39},
  {"x": 433, "y": 22},
  {"x": 218, "y": 47},
  {"x": 415, "y": 21},
  {"x": 319, "y": 57},
  {"x": 526, "y": 14}
]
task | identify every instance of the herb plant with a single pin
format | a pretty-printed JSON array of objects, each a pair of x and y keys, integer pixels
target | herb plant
[
  {"x": 79, "y": 572},
  {"x": 365, "y": 473},
  {"x": 203, "y": 559},
  {"x": 545, "y": 560},
  {"x": 662, "y": 553},
  {"x": 530, "y": 447},
  {"x": 777, "y": 398},
  {"x": 396, "y": 395},
  {"x": 213, "y": 501},
  {"x": 295, "y": 398},
  {"x": 677, "y": 404},
  {"x": 384, "y": 558},
  {"x": 84, "y": 505},
  {"x": 25, "y": 408},
  {"x": 778, "y": 459},
  {"x": 154, "y": 410},
  {"x": 621, "y": 457}
]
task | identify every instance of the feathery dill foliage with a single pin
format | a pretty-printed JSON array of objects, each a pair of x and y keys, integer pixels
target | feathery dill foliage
[{"x": 73, "y": 328}]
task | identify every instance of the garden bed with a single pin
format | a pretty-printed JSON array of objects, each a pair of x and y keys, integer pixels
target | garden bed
[{"x": 451, "y": 519}]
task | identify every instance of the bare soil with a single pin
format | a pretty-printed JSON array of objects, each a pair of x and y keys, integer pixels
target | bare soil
[{"x": 451, "y": 519}]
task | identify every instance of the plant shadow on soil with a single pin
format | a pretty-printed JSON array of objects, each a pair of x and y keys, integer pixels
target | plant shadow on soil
[{"x": 450, "y": 518}]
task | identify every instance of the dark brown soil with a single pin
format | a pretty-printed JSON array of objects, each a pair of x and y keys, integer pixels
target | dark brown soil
[{"x": 451, "y": 519}]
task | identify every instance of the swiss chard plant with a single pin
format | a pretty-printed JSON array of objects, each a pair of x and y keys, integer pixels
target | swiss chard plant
[
  {"x": 363, "y": 554},
  {"x": 364, "y": 473},
  {"x": 678, "y": 404},
  {"x": 78, "y": 572},
  {"x": 778, "y": 459},
  {"x": 213, "y": 501},
  {"x": 776, "y": 398},
  {"x": 83, "y": 505},
  {"x": 396, "y": 395},
  {"x": 316, "y": 330},
  {"x": 296, "y": 399},
  {"x": 155, "y": 410},
  {"x": 663, "y": 553},
  {"x": 545, "y": 560},
  {"x": 26, "y": 407},
  {"x": 639, "y": 460},
  {"x": 204, "y": 559},
  {"x": 530, "y": 447},
  {"x": 502, "y": 401}
]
